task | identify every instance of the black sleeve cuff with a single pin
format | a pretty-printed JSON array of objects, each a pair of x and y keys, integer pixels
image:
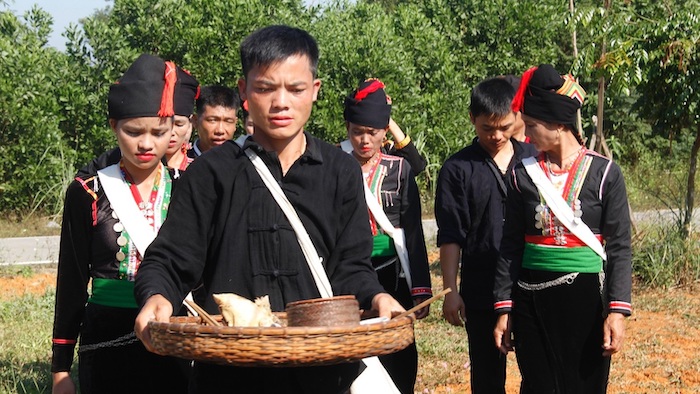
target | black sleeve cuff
[{"x": 62, "y": 358}]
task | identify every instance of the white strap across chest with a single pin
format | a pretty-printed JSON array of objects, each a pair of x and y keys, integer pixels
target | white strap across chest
[
  {"x": 397, "y": 234},
  {"x": 561, "y": 209},
  {"x": 374, "y": 378},
  {"x": 307, "y": 246},
  {"x": 122, "y": 202}
]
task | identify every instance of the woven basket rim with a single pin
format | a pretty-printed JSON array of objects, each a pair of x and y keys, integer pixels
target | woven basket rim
[
  {"x": 192, "y": 325},
  {"x": 187, "y": 338},
  {"x": 315, "y": 301}
]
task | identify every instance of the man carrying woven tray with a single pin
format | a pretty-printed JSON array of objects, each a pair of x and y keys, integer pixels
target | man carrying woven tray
[{"x": 231, "y": 233}]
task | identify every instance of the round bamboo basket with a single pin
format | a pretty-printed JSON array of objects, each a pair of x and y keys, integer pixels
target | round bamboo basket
[
  {"x": 334, "y": 311},
  {"x": 188, "y": 338}
]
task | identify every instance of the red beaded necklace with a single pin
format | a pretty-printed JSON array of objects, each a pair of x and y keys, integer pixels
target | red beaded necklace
[{"x": 145, "y": 207}]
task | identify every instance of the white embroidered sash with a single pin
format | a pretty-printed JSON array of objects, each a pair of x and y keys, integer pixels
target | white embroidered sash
[
  {"x": 398, "y": 235},
  {"x": 122, "y": 202},
  {"x": 561, "y": 209}
]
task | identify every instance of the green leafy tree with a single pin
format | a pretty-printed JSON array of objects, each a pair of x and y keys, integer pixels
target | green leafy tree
[
  {"x": 409, "y": 54},
  {"x": 430, "y": 53},
  {"x": 36, "y": 158},
  {"x": 202, "y": 36},
  {"x": 670, "y": 98}
]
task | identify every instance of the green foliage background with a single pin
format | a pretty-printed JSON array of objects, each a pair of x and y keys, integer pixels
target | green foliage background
[{"x": 429, "y": 53}]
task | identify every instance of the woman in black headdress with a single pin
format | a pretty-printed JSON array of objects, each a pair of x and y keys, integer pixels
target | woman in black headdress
[
  {"x": 391, "y": 187},
  {"x": 110, "y": 217},
  {"x": 563, "y": 281}
]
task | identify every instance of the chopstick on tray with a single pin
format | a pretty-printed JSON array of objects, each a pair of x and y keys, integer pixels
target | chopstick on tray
[
  {"x": 207, "y": 317},
  {"x": 423, "y": 304}
]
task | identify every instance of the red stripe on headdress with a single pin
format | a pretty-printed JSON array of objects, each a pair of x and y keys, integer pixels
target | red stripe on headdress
[
  {"x": 373, "y": 87},
  {"x": 519, "y": 99},
  {"x": 166, "y": 100}
]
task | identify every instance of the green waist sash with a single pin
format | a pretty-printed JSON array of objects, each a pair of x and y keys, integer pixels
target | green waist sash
[
  {"x": 383, "y": 246},
  {"x": 560, "y": 259},
  {"x": 113, "y": 292}
]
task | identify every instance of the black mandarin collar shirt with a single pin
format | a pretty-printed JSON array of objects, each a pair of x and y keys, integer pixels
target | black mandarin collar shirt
[{"x": 225, "y": 229}]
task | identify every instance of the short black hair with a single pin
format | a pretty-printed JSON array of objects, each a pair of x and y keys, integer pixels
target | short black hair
[
  {"x": 215, "y": 96},
  {"x": 275, "y": 43},
  {"x": 492, "y": 97}
]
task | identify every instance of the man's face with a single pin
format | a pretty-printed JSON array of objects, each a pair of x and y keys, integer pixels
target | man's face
[
  {"x": 215, "y": 125},
  {"x": 280, "y": 97},
  {"x": 494, "y": 132}
]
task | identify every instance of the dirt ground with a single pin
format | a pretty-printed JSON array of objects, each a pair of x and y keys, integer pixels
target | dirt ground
[
  {"x": 18, "y": 285},
  {"x": 661, "y": 353}
]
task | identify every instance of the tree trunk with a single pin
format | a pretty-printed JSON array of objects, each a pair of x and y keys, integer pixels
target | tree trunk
[
  {"x": 690, "y": 194},
  {"x": 601, "y": 104},
  {"x": 574, "y": 43}
]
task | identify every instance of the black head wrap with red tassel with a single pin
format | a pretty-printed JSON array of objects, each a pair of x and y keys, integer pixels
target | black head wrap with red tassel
[
  {"x": 369, "y": 105},
  {"x": 152, "y": 87},
  {"x": 545, "y": 95}
]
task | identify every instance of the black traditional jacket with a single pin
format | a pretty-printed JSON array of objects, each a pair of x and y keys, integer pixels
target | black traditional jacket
[
  {"x": 88, "y": 250},
  {"x": 227, "y": 231},
  {"x": 400, "y": 201},
  {"x": 469, "y": 210},
  {"x": 604, "y": 209}
]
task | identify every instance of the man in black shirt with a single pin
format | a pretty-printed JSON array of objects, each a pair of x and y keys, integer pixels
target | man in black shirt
[
  {"x": 227, "y": 229},
  {"x": 469, "y": 210}
]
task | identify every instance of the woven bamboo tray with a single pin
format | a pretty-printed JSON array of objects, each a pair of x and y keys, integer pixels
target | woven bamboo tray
[{"x": 186, "y": 337}]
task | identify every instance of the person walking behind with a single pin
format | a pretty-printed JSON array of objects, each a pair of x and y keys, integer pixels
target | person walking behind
[
  {"x": 403, "y": 270},
  {"x": 469, "y": 210}
]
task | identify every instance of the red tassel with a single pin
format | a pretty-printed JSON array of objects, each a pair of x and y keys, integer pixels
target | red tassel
[
  {"x": 166, "y": 101},
  {"x": 519, "y": 99},
  {"x": 373, "y": 87},
  {"x": 245, "y": 105}
]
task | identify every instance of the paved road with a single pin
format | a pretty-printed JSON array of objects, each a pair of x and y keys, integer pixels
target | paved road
[
  {"x": 29, "y": 250},
  {"x": 44, "y": 250}
]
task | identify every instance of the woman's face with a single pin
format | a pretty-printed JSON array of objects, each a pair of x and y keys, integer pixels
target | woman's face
[
  {"x": 366, "y": 141},
  {"x": 544, "y": 135},
  {"x": 143, "y": 141},
  {"x": 182, "y": 130}
]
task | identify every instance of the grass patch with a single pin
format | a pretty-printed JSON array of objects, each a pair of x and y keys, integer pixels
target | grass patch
[
  {"x": 663, "y": 258},
  {"x": 11, "y": 271},
  {"x": 443, "y": 351},
  {"x": 25, "y": 358},
  {"x": 659, "y": 356},
  {"x": 31, "y": 226}
]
